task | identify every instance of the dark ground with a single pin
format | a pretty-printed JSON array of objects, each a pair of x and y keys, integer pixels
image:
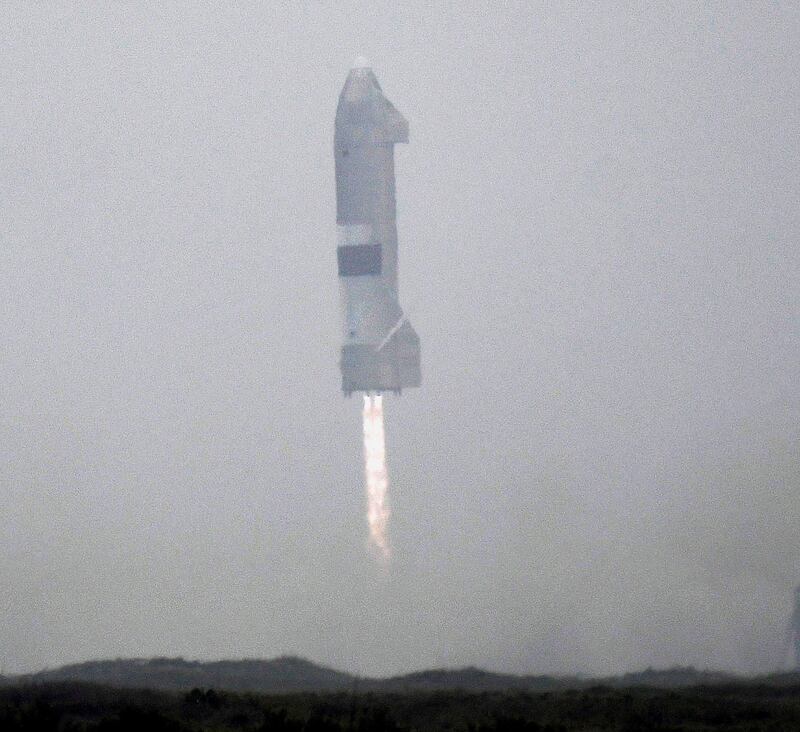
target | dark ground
[{"x": 74, "y": 706}]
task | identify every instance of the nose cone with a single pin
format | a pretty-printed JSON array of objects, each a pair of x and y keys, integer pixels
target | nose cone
[
  {"x": 361, "y": 83},
  {"x": 363, "y": 112}
]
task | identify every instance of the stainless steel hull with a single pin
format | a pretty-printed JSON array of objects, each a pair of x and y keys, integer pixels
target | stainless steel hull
[{"x": 380, "y": 350}]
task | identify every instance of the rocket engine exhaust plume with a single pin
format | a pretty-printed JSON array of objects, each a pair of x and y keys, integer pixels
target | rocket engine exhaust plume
[{"x": 376, "y": 474}]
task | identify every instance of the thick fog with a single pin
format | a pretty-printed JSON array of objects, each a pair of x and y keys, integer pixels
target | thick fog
[{"x": 598, "y": 216}]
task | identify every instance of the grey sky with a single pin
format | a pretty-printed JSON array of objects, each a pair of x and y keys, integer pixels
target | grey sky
[{"x": 598, "y": 217}]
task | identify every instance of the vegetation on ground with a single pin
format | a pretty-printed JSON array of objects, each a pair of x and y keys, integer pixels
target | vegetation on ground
[{"x": 81, "y": 707}]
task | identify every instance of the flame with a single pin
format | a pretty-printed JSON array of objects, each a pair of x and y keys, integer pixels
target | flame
[{"x": 376, "y": 474}]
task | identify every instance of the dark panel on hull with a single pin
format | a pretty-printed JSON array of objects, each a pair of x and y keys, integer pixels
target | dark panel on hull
[{"x": 356, "y": 261}]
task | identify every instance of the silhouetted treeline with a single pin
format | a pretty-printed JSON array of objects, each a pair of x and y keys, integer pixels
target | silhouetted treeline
[{"x": 72, "y": 707}]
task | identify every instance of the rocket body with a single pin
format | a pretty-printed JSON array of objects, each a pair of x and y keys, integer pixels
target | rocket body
[{"x": 380, "y": 349}]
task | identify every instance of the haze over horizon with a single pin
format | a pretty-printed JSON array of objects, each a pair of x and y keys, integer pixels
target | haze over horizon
[{"x": 598, "y": 229}]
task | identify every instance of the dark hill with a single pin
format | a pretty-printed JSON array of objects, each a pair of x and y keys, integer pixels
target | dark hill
[
  {"x": 279, "y": 675},
  {"x": 668, "y": 678},
  {"x": 473, "y": 679},
  {"x": 290, "y": 674}
]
